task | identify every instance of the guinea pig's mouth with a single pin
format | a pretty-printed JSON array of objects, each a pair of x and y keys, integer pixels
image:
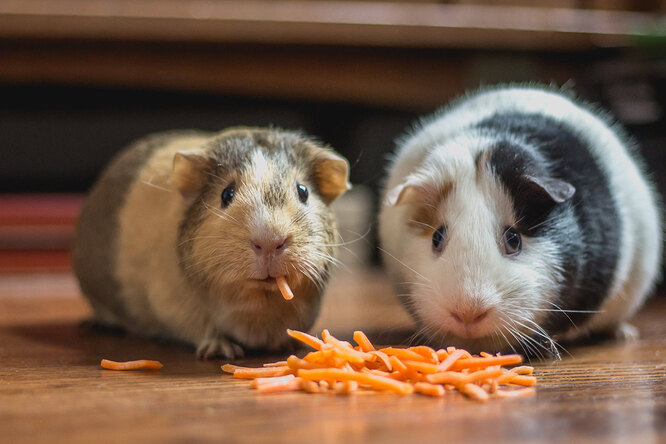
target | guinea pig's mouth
[{"x": 264, "y": 282}]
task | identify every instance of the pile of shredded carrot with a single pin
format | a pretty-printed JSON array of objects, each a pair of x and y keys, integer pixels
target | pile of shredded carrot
[{"x": 339, "y": 367}]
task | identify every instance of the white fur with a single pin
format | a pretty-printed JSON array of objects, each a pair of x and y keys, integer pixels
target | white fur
[{"x": 471, "y": 266}]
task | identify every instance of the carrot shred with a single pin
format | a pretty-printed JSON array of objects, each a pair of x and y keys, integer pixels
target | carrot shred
[
  {"x": 451, "y": 359},
  {"x": 363, "y": 341},
  {"x": 397, "y": 364},
  {"x": 428, "y": 353},
  {"x": 284, "y": 288},
  {"x": 426, "y": 388},
  {"x": 251, "y": 373},
  {"x": 423, "y": 367},
  {"x": 403, "y": 353},
  {"x": 477, "y": 363},
  {"x": 475, "y": 392},
  {"x": 523, "y": 380},
  {"x": 337, "y": 366},
  {"x": 527, "y": 391},
  {"x": 305, "y": 338},
  {"x": 275, "y": 364},
  {"x": 386, "y": 360},
  {"x": 142, "y": 364}
]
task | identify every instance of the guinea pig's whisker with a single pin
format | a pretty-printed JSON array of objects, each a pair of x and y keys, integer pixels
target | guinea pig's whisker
[
  {"x": 554, "y": 344},
  {"x": 566, "y": 311},
  {"x": 404, "y": 265},
  {"x": 510, "y": 330},
  {"x": 327, "y": 257},
  {"x": 563, "y": 312},
  {"x": 509, "y": 343},
  {"x": 218, "y": 213},
  {"x": 150, "y": 183},
  {"x": 414, "y": 221},
  {"x": 351, "y": 241},
  {"x": 530, "y": 340},
  {"x": 309, "y": 270},
  {"x": 540, "y": 333}
]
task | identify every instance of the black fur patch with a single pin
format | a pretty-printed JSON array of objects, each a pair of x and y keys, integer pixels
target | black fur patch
[{"x": 587, "y": 226}]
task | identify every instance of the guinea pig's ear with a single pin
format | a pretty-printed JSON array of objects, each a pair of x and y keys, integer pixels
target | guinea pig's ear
[
  {"x": 404, "y": 193},
  {"x": 189, "y": 172},
  {"x": 331, "y": 174},
  {"x": 548, "y": 189},
  {"x": 416, "y": 189}
]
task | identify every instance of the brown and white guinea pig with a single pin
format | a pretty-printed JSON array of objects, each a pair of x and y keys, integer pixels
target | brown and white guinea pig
[
  {"x": 184, "y": 233},
  {"x": 516, "y": 217}
]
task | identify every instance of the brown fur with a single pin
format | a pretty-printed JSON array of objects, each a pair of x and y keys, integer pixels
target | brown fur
[{"x": 182, "y": 266}]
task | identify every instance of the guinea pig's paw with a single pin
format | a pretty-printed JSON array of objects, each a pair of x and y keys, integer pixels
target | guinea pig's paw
[
  {"x": 626, "y": 332},
  {"x": 219, "y": 346}
]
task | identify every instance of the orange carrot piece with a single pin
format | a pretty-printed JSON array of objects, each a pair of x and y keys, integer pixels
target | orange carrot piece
[
  {"x": 305, "y": 338},
  {"x": 451, "y": 359},
  {"x": 296, "y": 363},
  {"x": 522, "y": 380},
  {"x": 309, "y": 386},
  {"x": 378, "y": 382},
  {"x": 352, "y": 355},
  {"x": 384, "y": 358},
  {"x": 271, "y": 380},
  {"x": 422, "y": 367},
  {"x": 284, "y": 288},
  {"x": 523, "y": 370},
  {"x": 426, "y": 388},
  {"x": 428, "y": 353},
  {"x": 251, "y": 372},
  {"x": 142, "y": 364},
  {"x": 281, "y": 385},
  {"x": 275, "y": 364},
  {"x": 527, "y": 391},
  {"x": 363, "y": 341},
  {"x": 397, "y": 364},
  {"x": 442, "y": 354},
  {"x": 448, "y": 377},
  {"x": 346, "y": 387},
  {"x": 480, "y": 375},
  {"x": 403, "y": 353},
  {"x": 475, "y": 392},
  {"x": 344, "y": 349},
  {"x": 478, "y": 363}
]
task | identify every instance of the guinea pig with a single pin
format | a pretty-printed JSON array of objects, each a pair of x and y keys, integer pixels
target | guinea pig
[
  {"x": 518, "y": 217},
  {"x": 184, "y": 233}
]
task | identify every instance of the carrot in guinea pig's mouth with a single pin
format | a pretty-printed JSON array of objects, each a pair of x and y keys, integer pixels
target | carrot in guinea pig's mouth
[{"x": 284, "y": 287}]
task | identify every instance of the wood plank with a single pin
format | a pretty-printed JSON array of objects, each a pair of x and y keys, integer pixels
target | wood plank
[
  {"x": 394, "y": 24},
  {"x": 404, "y": 79},
  {"x": 53, "y": 389}
]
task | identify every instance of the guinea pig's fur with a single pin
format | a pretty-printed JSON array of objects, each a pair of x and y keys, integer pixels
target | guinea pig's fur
[
  {"x": 162, "y": 250},
  {"x": 516, "y": 217}
]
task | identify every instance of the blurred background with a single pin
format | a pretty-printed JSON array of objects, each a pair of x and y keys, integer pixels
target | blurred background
[{"x": 79, "y": 79}]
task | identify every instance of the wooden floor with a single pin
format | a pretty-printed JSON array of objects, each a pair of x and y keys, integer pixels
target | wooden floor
[{"x": 53, "y": 389}]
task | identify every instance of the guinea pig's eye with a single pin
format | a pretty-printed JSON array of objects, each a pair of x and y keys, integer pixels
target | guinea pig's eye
[
  {"x": 228, "y": 195},
  {"x": 512, "y": 242},
  {"x": 302, "y": 192},
  {"x": 438, "y": 239}
]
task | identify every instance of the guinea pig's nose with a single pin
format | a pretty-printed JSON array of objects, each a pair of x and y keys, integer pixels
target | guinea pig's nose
[
  {"x": 470, "y": 316},
  {"x": 269, "y": 246}
]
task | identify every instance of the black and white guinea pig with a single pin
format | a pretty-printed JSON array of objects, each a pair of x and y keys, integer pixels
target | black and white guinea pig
[{"x": 516, "y": 217}]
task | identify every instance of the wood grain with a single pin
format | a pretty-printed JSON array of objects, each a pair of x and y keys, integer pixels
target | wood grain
[
  {"x": 53, "y": 389},
  {"x": 401, "y": 24}
]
